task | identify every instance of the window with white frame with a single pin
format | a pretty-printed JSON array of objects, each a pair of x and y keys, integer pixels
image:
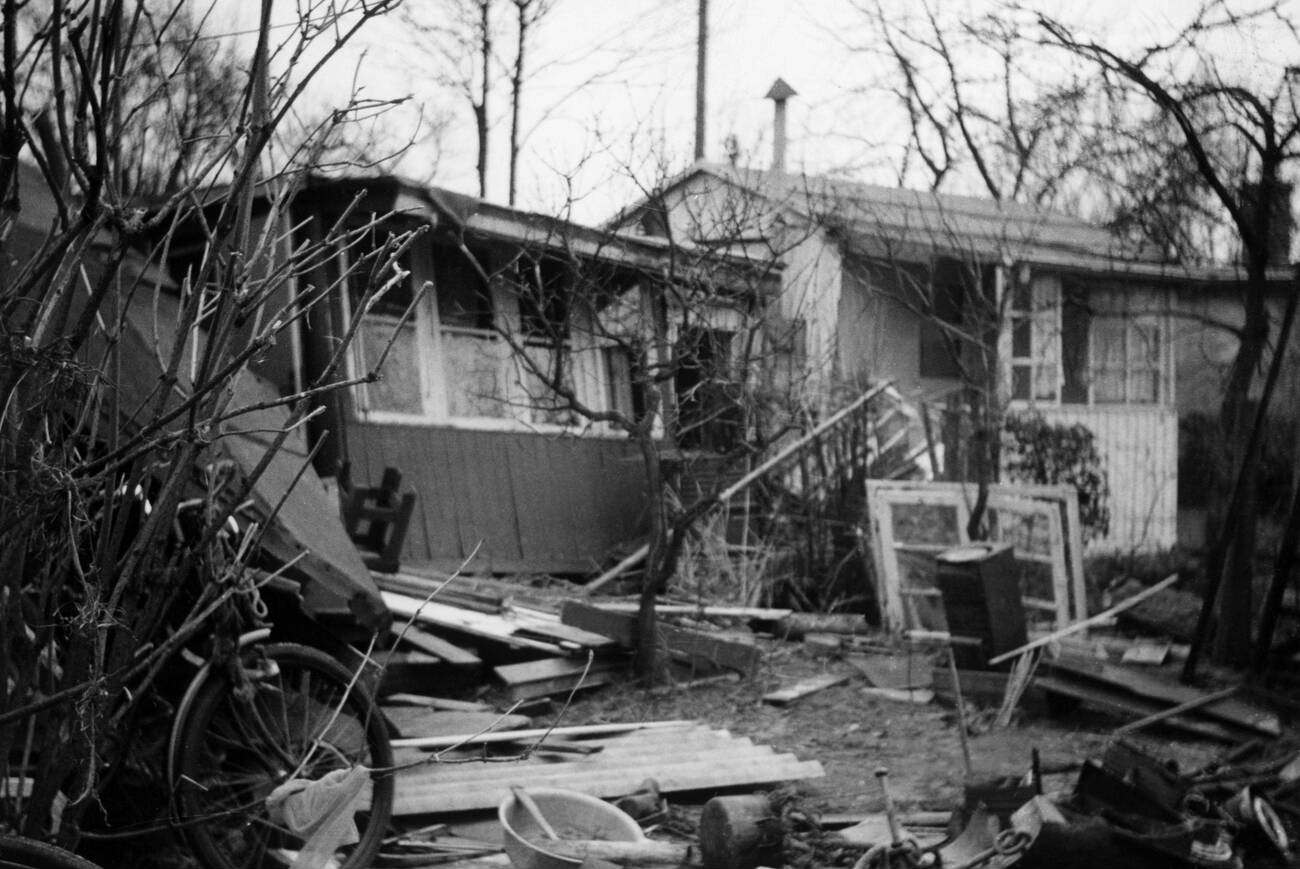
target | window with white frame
[
  {"x": 1087, "y": 345},
  {"x": 448, "y": 363},
  {"x": 1034, "y": 323},
  {"x": 1127, "y": 348}
]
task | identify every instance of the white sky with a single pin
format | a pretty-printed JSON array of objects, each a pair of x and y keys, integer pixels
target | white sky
[{"x": 639, "y": 112}]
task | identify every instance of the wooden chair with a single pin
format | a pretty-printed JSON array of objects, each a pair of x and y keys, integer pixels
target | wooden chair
[{"x": 376, "y": 517}]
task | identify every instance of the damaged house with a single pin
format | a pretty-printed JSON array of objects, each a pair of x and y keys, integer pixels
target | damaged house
[
  {"x": 940, "y": 294},
  {"x": 505, "y": 474}
]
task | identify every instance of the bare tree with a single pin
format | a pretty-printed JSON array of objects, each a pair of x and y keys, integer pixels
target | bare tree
[
  {"x": 461, "y": 42},
  {"x": 699, "y": 358},
  {"x": 1241, "y": 134},
  {"x": 528, "y": 14},
  {"x": 977, "y": 120},
  {"x": 117, "y": 380}
]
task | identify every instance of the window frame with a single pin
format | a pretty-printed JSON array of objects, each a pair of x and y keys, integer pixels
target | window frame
[{"x": 432, "y": 360}]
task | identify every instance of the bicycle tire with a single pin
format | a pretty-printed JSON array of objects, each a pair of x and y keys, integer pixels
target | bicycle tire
[
  {"x": 19, "y": 852},
  {"x": 232, "y": 752}
]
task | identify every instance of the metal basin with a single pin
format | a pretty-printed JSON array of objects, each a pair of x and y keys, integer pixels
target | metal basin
[{"x": 572, "y": 814}]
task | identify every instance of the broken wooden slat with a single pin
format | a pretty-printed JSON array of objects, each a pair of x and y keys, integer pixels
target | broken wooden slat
[
  {"x": 1084, "y": 624},
  {"x": 1227, "y": 710},
  {"x": 920, "y": 696},
  {"x": 492, "y": 627},
  {"x": 701, "y": 610},
  {"x": 742, "y": 657},
  {"x": 1129, "y": 706},
  {"x": 437, "y": 646},
  {"x": 548, "y": 624},
  {"x": 555, "y": 675},
  {"x": 1187, "y": 706},
  {"x": 801, "y": 689},
  {"x": 443, "y": 703}
]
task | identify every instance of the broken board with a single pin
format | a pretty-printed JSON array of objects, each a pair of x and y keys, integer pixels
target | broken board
[
  {"x": 1229, "y": 711},
  {"x": 621, "y": 627},
  {"x": 437, "y": 646},
  {"x": 555, "y": 676},
  {"x": 801, "y": 689}
]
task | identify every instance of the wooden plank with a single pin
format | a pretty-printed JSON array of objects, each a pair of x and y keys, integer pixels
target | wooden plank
[
  {"x": 466, "y": 621},
  {"x": 1131, "y": 706},
  {"x": 576, "y": 730},
  {"x": 1076, "y": 627},
  {"x": 477, "y": 773},
  {"x": 556, "y": 675},
  {"x": 801, "y": 689},
  {"x": 700, "y": 611},
  {"x": 413, "y": 721},
  {"x": 742, "y": 657},
  {"x": 443, "y": 703},
  {"x": 436, "y": 646},
  {"x": 548, "y": 626},
  {"x": 1141, "y": 683},
  {"x": 1074, "y": 541}
]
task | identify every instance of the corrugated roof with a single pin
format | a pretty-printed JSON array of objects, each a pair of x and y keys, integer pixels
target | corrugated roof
[{"x": 878, "y": 215}]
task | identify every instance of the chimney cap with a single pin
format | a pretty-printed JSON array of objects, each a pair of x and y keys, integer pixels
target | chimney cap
[{"x": 780, "y": 90}]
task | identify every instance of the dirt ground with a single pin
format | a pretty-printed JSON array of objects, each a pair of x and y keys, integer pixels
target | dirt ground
[{"x": 852, "y": 734}]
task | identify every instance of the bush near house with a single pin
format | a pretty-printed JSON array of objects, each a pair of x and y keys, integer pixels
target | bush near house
[{"x": 1037, "y": 451}]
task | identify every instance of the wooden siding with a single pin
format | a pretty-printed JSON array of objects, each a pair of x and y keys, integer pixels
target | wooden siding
[
  {"x": 1139, "y": 445},
  {"x": 538, "y": 503}
]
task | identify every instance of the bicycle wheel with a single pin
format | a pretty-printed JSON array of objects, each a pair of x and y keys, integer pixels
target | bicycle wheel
[
  {"x": 234, "y": 750},
  {"x": 18, "y": 852}
]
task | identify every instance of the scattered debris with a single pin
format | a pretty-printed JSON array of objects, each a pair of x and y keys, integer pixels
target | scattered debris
[{"x": 679, "y": 643}]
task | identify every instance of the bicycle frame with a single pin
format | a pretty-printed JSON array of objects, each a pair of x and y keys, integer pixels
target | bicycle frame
[{"x": 246, "y": 639}]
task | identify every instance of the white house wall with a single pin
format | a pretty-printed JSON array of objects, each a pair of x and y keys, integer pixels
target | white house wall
[{"x": 1139, "y": 445}]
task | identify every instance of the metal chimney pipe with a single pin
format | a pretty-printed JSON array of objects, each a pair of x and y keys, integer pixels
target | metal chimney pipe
[{"x": 778, "y": 93}]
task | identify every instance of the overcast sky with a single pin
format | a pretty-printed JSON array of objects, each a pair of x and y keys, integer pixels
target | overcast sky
[{"x": 612, "y": 92}]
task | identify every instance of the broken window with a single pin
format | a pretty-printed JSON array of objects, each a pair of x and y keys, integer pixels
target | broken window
[
  {"x": 940, "y": 348},
  {"x": 708, "y": 414},
  {"x": 390, "y": 329}
]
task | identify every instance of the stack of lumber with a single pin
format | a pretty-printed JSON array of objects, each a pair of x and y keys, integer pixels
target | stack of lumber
[
  {"x": 679, "y": 755},
  {"x": 473, "y": 615}
]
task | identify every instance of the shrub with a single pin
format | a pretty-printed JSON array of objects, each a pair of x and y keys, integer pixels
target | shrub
[{"x": 1037, "y": 451}]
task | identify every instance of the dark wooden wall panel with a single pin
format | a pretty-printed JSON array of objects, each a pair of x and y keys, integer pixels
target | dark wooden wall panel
[{"x": 538, "y": 503}]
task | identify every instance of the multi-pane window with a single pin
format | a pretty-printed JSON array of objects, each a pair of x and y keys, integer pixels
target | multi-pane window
[
  {"x": 447, "y": 360},
  {"x": 1035, "y": 324},
  {"x": 1127, "y": 350},
  {"x": 1110, "y": 346}
]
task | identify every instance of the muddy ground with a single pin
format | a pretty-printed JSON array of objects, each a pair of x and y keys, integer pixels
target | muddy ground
[{"x": 852, "y": 734}]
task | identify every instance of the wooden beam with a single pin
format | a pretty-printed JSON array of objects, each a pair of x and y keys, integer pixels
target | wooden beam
[
  {"x": 742, "y": 657},
  {"x": 1185, "y": 706},
  {"x": 1084, "y": 624},
  {"x": 735, "y": 488}
]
